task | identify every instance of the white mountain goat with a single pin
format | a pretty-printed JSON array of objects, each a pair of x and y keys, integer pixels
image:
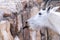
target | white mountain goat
[
  {"x": 42, "y": 19},
  {"x": 45, "y": 18}
]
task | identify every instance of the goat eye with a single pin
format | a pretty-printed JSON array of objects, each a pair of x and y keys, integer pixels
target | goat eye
[{"x": 40, "y": 14}]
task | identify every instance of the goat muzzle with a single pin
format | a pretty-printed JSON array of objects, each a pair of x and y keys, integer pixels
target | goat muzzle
[{"x": 26, "y": 25}]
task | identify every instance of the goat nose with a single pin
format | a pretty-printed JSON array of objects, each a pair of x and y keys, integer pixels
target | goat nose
[{"x": 26, "y": 22}]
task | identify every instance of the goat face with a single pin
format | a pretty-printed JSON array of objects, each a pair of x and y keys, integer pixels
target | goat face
[{"x": 40, "y": 20}]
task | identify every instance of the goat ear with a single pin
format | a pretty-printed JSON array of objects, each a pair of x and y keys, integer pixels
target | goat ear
[{"x": 55, "y": 8}]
